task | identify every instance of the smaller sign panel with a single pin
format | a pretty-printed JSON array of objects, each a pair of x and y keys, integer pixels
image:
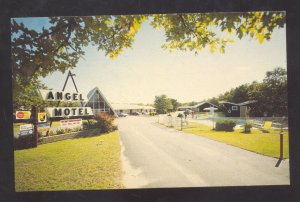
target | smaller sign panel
[
  {"x": 44, "y": 125},
  {"x": 26, "y": 129},
  {"x": 42, "y": 118},
  {"x": 23, "y": 114},
  {"x": 71, "y": 123}
]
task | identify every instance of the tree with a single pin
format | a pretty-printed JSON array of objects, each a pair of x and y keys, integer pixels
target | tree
[
  {"x": 30, "y": 97},
  {"x": 275, "y": 90},
  {"x": 59, "y": 46},
  {"x": 162, "y": 104},
  {"x": 175, "y": 104},
  {"x": 214, "y": 101},
  {"x": 271, "y": 94}
]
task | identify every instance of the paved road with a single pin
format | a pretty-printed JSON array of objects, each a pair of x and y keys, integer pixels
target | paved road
[{"x": 156, "y": 156}]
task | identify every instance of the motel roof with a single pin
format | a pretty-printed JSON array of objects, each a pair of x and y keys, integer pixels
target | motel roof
[
  {"x": 93, "y": 91},
  {"x": 240, "y": 104},
  {"x": 197, "y": 105},
  {"x": 124, "y": 106},
  {"x": 202, "y": 103}
]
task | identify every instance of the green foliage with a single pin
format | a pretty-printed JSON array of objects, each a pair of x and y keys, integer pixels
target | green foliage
[
  {"x": 60, "y": 131},
  {"x": 40, "y": 134},
  {"x": 247, "y": 127},
  {"x": 51, "y": 133},
  {"x": 89, "y": 124},
  {"x": 180, "y": 115},
  {"x": 194, "y": 32},
  {"x": 264, "y": 130},
  {"x": 152, "y": 113},
  {"x": 163, "y": 104},
  {"x": 271, "y": 94},
  {"x": 225, "y": 125},
  {"x": 105, "y": 122},
  {"x": 175, "y": 104}
]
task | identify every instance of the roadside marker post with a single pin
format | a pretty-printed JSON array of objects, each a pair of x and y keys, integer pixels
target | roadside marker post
[
  {"x": 281, "y": 141},
  {"x": 281, "y": 145}
]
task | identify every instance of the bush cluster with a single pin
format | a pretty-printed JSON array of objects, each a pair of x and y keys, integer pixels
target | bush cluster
[
  {"x": 105, "y": 122},
  {"x": 90, "y": 124},
  {"x": 64, "y": 131},
  {"x": 226, "y": 125},
  {"x": 247, "y": 127},
  {"x": 152, "y": 114}
]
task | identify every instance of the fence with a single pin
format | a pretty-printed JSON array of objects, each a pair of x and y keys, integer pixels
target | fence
[{"x": 173, "y": 121}]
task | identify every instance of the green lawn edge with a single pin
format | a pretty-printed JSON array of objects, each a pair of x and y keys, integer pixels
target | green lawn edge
[
  {"x": 88, "y": 163},
  {"x": 267, "y": 144}
]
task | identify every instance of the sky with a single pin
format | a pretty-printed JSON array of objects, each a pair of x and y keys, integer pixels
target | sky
[{"x": 146, "y": 70}]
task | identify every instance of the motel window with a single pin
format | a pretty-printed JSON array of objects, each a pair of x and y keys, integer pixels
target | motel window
[
  {"x": 234, "y": 107},
  {"x": 101, "y": 105}
]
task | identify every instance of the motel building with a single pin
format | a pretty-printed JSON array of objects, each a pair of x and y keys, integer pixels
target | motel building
[
  {"x": 131, "y": 108},
  {"x": 198, "y": 108},
  {"x": 99, "y": 104}
]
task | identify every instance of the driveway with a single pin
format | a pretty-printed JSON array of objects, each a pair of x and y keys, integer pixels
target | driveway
[{"x": 156, "y": 156}]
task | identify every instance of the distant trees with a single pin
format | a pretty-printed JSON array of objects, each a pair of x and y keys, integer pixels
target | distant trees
[
  {"x": 175, "y": 104},
  {"x": 163, "y": 104},
  {"x": 271, "y": 94}
]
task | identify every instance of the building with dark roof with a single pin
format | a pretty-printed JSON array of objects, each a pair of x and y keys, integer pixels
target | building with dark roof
[
  {"x": 238, "y": 109},
  {"x": 201, "y": 107}
]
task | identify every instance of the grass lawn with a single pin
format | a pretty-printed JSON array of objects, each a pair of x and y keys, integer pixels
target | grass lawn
[
  {"x": 75, "y": 164},
  {"x": 257, "y": 141}
]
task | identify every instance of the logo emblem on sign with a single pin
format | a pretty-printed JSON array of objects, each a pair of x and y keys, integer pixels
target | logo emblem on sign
[
  {"x": 23, "y": 114},
  {"x": 42, "y": 117}
]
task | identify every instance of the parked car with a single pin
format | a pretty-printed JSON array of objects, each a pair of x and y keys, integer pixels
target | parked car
[
  {"x": 136, "y": 113},
  {"x": 122, "y": 114}
]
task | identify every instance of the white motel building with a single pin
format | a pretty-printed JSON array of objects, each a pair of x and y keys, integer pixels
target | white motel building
[{"x": 98, "y": 103}]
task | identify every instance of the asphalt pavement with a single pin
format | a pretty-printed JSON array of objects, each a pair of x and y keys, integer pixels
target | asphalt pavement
[{"x": 154, "y": 156}]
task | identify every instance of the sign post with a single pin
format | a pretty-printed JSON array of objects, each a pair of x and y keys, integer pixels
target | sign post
[{"x": 35, "y": 125}]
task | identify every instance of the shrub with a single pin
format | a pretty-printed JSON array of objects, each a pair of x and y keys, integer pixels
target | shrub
[
  {"x": 105, "y": 122},
  {"x": 60, "y": 131},
  {"x": 67, "y": 130},
  {"x": 51, "y": 133},
  {"x": 152, "y": 113},
  {"x": 76, "y": 129},
  {"x": 180, "y": 115},
  {"x": 265, "y": 130},
  {"x": 89, "y": 124},
  {"x": 40, "y": 134},
  {"x": 247, "y": 127},
  {"x": 226, "y": 125}
]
